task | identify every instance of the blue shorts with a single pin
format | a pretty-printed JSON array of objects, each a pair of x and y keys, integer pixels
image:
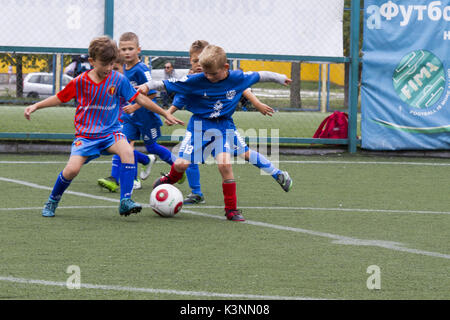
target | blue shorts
[
  {"x": 135, "y": 132},
  {"x": 93, "y": 148},
  {"x": 199, "y": 144}
]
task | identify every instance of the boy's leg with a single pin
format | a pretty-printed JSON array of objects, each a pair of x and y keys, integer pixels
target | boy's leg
[
  {"x": 261, "y": 162},
  {"x": 228, "y": 187},
  {"x": 163, "y": 153},
  {"x": 126, "y": 154},
  {"x": 176, "y": 173},
  {"x": 193, "y": 176},
  {"x": 63, "y": 181}
]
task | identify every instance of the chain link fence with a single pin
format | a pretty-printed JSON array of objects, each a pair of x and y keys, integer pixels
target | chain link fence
[{"x": 306, "y": 40}]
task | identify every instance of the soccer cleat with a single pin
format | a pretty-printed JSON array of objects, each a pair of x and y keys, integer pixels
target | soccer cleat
[
  {"x": 234, "y": 215},
  {"x": 109, "y": 183},
  {"x": 162, "y": 180},
  {"x": 49, "y": 208},
  {"x": 284, "y": 180},
  {"x": 137, "y": 184},
  {"x": 193, "y": 198},
  {"x": 145, "y": 173},
  {"x": 128, "y": 206}
]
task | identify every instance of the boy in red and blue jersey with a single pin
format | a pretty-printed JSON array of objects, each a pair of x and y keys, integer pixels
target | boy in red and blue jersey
[
  {"x": 97, "y": 126},
  {"x": 138, "y": 123}
]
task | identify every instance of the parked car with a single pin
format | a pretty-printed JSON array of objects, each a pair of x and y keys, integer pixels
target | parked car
[
  {"x": 40, "y": 84},
  {"x": 181, "y": 66}
]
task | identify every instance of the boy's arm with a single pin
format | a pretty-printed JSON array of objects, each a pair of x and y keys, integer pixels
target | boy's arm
[
  {"x": 261, "y": 107},
  {"x": 172, "y": 109},
  {"x": 49, "y": 102},
  {"x": 150, "y": 105},
  {"x": 151, "y": 85},
  {"x": 268, "y": 76}
]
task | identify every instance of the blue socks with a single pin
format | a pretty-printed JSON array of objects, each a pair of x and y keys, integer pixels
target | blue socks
[
  {"x": 139, "y": 157},
  {"x": 115, "y": 167},
  {"x": 162, "y": 152},
  {"x": 261, "y": 162},
  {"x": 193, "y": 176},
  {"x": 60, "y": 186},
  {"x": 127, "y": 173}
]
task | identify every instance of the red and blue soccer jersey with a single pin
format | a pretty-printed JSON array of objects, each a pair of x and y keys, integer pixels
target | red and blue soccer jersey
[{"x": 97, "y": 112}]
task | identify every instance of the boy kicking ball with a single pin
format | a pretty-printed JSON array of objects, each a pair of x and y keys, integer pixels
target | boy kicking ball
[
  {"x": 214, "y": 95},
  {"x": 97, "y": 126}
]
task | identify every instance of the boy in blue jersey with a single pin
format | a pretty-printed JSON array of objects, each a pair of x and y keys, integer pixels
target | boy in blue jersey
[
  {"x": 97, "y": 129},
  {"x": 212, "y": 98},
  {"x": 137, "y": 122},
  {"x": 193, "y": 173}
]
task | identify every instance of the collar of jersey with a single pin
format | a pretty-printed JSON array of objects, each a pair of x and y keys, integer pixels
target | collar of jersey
[{"x": 101, "y": 82}]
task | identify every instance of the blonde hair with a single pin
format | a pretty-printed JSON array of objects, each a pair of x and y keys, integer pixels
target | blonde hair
[
  {"x": 212, "y": 57},
  {"x": 104, "y": 49},
  {"x": 130, "y": 36},
  {"x": 197, "y": 46}
]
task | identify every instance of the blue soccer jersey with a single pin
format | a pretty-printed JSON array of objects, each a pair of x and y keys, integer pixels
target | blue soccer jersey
[
  {"x": 140, "y": 74},
  {"x": 213, "y": 100},
  {"x": 97, "y": 112},
  {"x": 211, "y": 129}
]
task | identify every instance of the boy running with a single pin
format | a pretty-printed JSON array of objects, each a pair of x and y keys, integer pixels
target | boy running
[{"x": 97, "y": 129}]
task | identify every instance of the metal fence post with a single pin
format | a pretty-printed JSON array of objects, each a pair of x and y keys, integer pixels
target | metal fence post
[
  {"x": 354, "y": 76},
  {"x": 109, "y": 18}
]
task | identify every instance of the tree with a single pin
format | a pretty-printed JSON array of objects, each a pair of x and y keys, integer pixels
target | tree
[{"x": 20, "y": 61}]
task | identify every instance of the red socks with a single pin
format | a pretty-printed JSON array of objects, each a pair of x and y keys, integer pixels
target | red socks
[
  {"x": 229, "y": 195},
  {"x": 174, "y": 175}
]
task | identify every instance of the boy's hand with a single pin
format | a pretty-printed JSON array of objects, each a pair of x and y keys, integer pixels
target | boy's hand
[
  {"x": 287, "y": 81},
  {"x": 143, "y": 89},
  {"x": 131, "y": 108},
  {"x": 28, "y": 111},
  {"x": 171, "y": 120},
  {"x": 265, "y": 109}
]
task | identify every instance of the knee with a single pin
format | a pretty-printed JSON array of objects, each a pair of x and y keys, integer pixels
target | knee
[
  {"x": 181, "y": 165},
  {"x": 70, "y": 172},
  {"x": 127, "y": 154}
]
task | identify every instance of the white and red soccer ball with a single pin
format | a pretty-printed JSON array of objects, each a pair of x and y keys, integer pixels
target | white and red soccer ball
[{"x": 166, "y": 200}]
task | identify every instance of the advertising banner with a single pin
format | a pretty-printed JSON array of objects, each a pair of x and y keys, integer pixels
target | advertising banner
[
  {"x": 405, "y": 75},
  {"x": 281, "y": 27}
]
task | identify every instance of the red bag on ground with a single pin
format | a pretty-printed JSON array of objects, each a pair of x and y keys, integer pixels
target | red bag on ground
[{"x": 335, "y": 126}]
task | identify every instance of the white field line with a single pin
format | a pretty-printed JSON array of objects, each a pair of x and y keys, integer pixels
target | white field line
[
  {"x": 434, "y": 164},
  {"x": 337, "y": 239},
  {"x": 326, "y": 209},
  {"x": 254, "y": 208},
  {"x": 154, "y": 291}
]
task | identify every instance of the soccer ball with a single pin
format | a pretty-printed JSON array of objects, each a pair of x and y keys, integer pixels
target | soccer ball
[{"x": 166, "y": 200}]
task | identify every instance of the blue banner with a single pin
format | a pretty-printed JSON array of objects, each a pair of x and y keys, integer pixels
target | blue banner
[{"x": 405, "y": 85}]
